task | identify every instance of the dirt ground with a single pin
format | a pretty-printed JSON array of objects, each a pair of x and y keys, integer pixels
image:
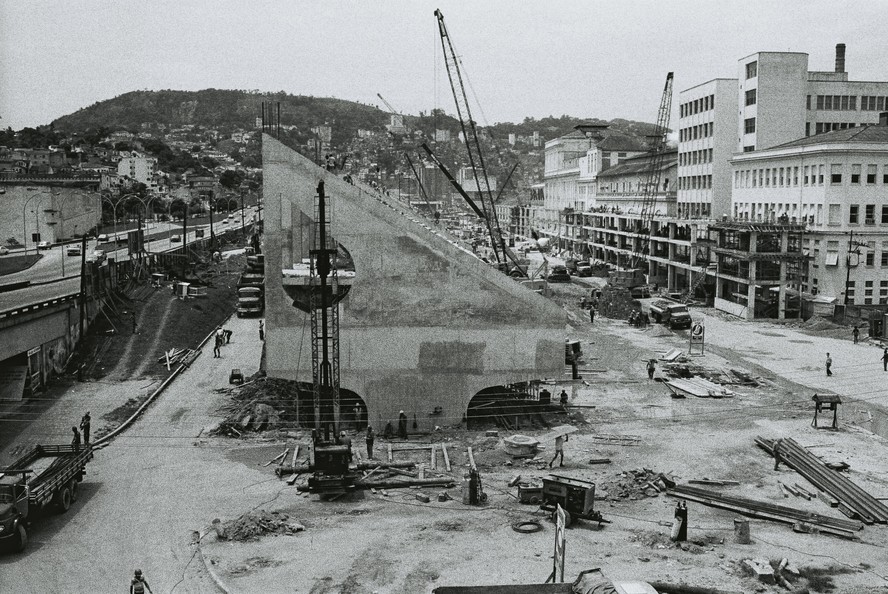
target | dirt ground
[{"x": 365, "y": 542}]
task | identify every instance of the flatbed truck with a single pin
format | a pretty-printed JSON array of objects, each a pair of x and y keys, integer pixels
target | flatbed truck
[{"x": 47, "y": 476}]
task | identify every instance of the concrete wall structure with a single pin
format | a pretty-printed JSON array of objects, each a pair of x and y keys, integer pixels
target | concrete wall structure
[
  {"x": 57, "y": 211},
  {"x": 425, "y": 326}
]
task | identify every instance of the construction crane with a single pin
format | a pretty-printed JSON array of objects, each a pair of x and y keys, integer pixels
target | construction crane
[
  {"x": 655, "y": 164},
  {"x": 394, "y": 112},
  {"x": 472, "y": 142}
]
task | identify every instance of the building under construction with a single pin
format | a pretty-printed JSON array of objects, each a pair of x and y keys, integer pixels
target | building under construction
[{"x": 424, "y": 325}]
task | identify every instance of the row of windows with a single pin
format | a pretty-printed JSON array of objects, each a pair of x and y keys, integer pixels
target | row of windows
[
  {"x": 811, "y": 175},
  {"x": 695, "y": 182},
  {"x": 822, "y": 127},
  {"x": 694, "y": 210},
  {"x": 696, "y": 106},
  {"x": 695, "y": 157},
  {"x": 869, "y": 211},
  {"x": 695, "y": 132},
  {"x": 847, "y": 102}
]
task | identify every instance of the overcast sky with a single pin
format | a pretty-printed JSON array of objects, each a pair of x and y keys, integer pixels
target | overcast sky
[{"x": 594, "y": 58}]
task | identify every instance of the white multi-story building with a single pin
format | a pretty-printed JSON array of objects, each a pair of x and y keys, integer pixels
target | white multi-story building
[
  {"x": 836, "y": 184},
  {"x": 140, "y": 169}
]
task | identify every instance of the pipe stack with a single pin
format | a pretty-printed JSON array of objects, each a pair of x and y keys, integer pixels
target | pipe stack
[{"x": 853, "y": 501}]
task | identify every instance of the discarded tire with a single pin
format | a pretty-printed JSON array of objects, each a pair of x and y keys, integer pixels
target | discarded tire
[{"x": 527, "y": 526}]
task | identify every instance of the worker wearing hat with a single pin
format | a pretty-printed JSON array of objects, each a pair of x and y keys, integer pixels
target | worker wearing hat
[
  {"x": 402, "y": 425},
  {"x": 347, "y": 442},
  {"x": 138, "y": 584}
]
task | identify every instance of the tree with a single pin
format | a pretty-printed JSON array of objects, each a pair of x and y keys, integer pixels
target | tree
[{"x": 231, "y": 179}]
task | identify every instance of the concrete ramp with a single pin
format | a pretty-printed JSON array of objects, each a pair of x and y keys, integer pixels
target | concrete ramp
[{"x": 425, "y": 324}]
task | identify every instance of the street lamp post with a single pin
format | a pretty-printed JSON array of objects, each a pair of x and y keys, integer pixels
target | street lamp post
[{"x": 24, "y": 219}]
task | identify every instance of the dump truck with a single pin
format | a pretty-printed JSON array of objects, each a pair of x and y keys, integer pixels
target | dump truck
[
  {"x": 47, "y": 476},
  {"x": 627, "y": 279},
  {"x": 672, "y": 314},
  {"x": 250, "y": 301},
  {"x": 251, "y": 279}
]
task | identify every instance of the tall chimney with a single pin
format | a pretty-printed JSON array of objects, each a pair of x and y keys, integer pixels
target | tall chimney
[{"x": 840, "y": 57}]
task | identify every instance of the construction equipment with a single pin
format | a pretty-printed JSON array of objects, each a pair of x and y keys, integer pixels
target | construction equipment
[
  {"x": 47, "y": 475},
  {"x": 485, "y": 207},
  {"x": 672, "y": 314},
  {"x": 575, "y": 496},
  {"x": 655, "y": 164}
]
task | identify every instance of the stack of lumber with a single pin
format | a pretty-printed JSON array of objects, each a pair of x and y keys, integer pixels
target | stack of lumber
[
  {"x": 853, "y": 501},
  {"x": 699, "y": 387},
  {"x": 177, "y": 356},
  {"x": 767, "y": 511}
]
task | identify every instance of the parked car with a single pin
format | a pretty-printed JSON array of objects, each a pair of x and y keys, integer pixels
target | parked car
[
  {"x": 43, "y": 245},
  {"x": 558, "y": 275},
  {"x": 73, "y": 250},
  {"x": 176, "y": 239},
  {"x": 584, "y": 268},
  {"x": 3, "y": 251},
  {"x": 103, "y": 237}
]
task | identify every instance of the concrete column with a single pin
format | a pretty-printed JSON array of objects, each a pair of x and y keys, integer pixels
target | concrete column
[
  {"x": 750, "y": 292},
  {"x": 670, "y": 277},
  {"x": 781, "y": 305}
]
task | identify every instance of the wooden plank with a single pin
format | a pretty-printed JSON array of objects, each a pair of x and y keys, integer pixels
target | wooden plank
[
  {"x": 434, "y": 459},
  {"x": 414, "y": 448},
  {"x": 295, "y": 455},
  {"x": 446, "y": 457},
  {"x": 422, "y": 471},
  {"x": 390, "y": 452},
  {"x": 471, "y": 459}
]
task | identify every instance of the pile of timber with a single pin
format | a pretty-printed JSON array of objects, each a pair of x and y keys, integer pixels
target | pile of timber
[
  {"x": 768, "y": 511},
  {"x": 854, "y": 502},
  {"x": 175, "y": 356}
]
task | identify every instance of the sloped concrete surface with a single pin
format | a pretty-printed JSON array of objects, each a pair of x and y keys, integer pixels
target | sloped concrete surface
[{"x": 426, "y": 324}]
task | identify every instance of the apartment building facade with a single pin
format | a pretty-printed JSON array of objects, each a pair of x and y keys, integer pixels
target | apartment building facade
[
  {"x": 836, "y": 184},
  {"x": 139, "y": 169}
]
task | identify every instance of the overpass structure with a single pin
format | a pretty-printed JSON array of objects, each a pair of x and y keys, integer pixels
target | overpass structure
[{"x": 425, "y": 324}]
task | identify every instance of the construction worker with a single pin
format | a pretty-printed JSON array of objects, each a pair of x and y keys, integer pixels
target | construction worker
[
  {"x": 261, "y": 330},
  {"x": 75, "y": 441},
  {"x": 651, "y": 367},
  {"x": 371, "y": 437},
  {"x": 84, "y": 426},
  {"x": 559, "y": 449},
  {"x": 347, "y": 442},
  {"x": 138, "y": 584},
  {"x": 563, "y": 399},
  {"x": 778, "y": 453},
  {"x": 402, "y": 425},
  {"x": 885, "y": 360}
]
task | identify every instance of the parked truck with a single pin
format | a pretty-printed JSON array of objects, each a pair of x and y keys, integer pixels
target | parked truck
[
  {"x": 46, "y": 476},
  {"x": 251, "y": 279},
  {"x": 627, "y": 279},
  {"x": 672, "y": 314},
  {"x": 250, "y": 302}
]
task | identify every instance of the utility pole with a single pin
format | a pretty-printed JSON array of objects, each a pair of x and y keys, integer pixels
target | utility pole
[
  {"x": 243, "y": 229},
  {"x": 853, "y": 247},
  {"x": 184, "y": 238}
]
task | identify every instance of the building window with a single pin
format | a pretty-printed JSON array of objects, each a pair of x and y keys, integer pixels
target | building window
[
  {"x": 749, "y": 149},
  {"x": 808, "y": 127},
  {"x": 885, "y": 214},
  {"x": 808, "y": 103},
  {"x": 870, "y": 214},
  {"x": 752, "y": 70},
  {"x": 853, "y": 214},
  {"x": 870, "y": 260},
  {"x": 870, "y": 174},
  {"x": 855, "y": 174},
  {"x": 835, "y": 214},
  {"x": 835, "y": 174},
  {"x": 749, "y": 125},
  {"x": 750, "y": 97},
  {"x": 820, "y": 101}
]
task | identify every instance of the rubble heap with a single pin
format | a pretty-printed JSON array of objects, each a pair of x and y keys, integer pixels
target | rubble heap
[
  {"x": 615, "y": 302},
  {"x": 260, "y": 404},
  {"x": 254, "y": 524},
  {"x": 633, "y": 484}
]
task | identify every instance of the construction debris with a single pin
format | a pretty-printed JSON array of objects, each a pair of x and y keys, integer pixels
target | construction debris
[
  {"x": 768, "y": 511},
  {"x": 254, "y": 524},
  {"x": 633, "y": 484},
  {"x": 858, "y": 502},
  {"x": 699, "y": 387}
]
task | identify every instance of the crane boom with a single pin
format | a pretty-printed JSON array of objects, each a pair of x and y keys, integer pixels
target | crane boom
[
  {"x": 391, "y": 109},
  {"x": 471, "y": 140},
  {"x": 655, "y": 164}
]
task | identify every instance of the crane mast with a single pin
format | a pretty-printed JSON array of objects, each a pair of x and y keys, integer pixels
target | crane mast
[
  {"x": 470, "y": 138},
  {"x": 655, "y": 164}
]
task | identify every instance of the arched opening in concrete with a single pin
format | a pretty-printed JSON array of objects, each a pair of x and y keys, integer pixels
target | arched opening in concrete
[
  {"x": 511, "y": 406},
  {"x": 352, "y": 409}
]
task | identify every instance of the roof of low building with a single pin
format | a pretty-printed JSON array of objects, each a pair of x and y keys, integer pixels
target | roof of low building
[
  {"x": 868, "y": 133},
  {"x": 640, "y": 164}
]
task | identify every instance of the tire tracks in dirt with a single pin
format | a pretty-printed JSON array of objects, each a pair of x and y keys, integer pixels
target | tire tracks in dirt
[{"x": 125, "y": 362}]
